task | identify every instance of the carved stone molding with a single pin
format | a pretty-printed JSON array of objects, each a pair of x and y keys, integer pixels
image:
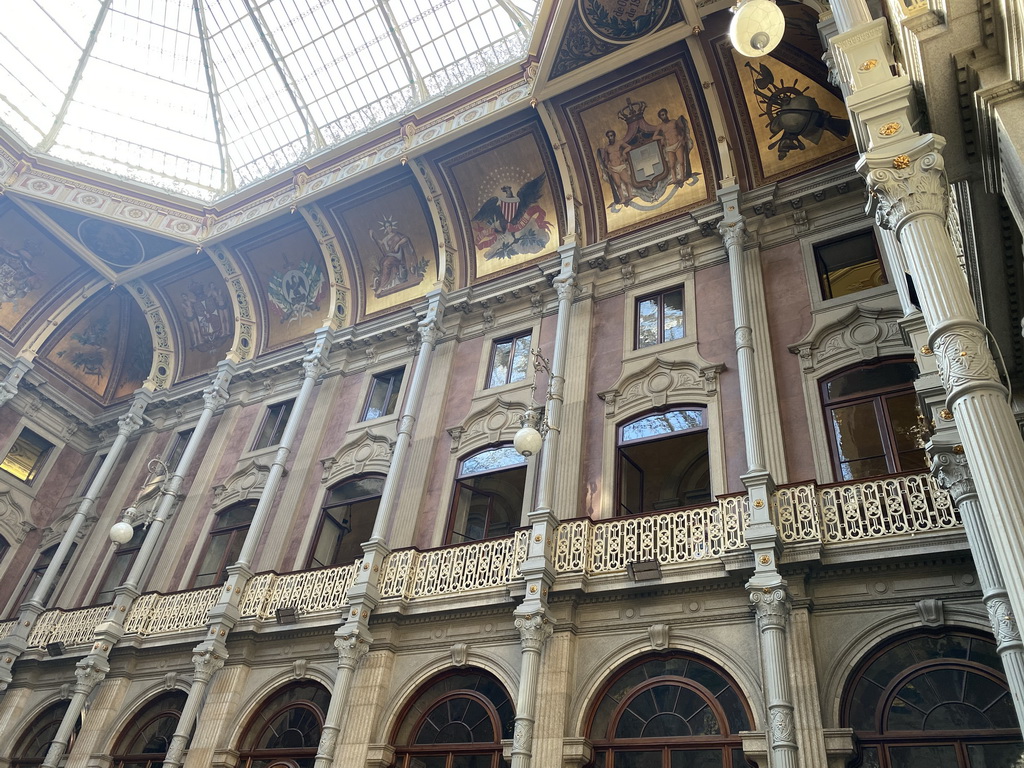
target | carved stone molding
[
  {"x": 771, "y": 606},
  {"x": 904, "y": 187},
  {"x": 658, "y": 634},
  {"x": 14, "y": 522},
  {"x": 533, "y": 631},
  {"x": 496, "y": 422},
  {"x": 246, "y": 483},
  {"x": 859, "y": 335},
  {"x": 931, "y": 612},
  {"x": 659, "y": 383},
  {"x": 952, "y": 472},
  {"x": 367, "y": 453},
  {"x": 963, "y": 357}
]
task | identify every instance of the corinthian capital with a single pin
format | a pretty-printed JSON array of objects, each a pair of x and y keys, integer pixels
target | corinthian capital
[
  {"x": 351, "y": 648},
  {"x": 732, "y": 232},
  {"x": 206, "y": 664},
  {"x": 771, "y": 606},
  {"x": 904, "y": 187},
  {"x": 533, "y": 631},
  {"x": 128, "y": 423},
  {"x": 565, "y": 287},
  {"x": 89, "y": 672},
  {"x": 952, "y": 471}
]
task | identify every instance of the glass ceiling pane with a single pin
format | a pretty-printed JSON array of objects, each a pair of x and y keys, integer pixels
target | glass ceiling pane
[{"x": 169, "y": 91}]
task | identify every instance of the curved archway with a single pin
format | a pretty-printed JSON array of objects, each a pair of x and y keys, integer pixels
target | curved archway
[
  {"x": 144, "y": 741},
  {"x": 668, "y": 710},
  {"x": 457, "y": 719},
  {"x": 936, "y": 698},
  {"x": 31, "y": 748},
  {"x": 285, "y": 730}
]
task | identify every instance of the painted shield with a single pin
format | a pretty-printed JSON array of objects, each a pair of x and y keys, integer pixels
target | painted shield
[{"x": 647, "y": 163}]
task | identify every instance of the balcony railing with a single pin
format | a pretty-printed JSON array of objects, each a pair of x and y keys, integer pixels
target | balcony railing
[{"x": 829, "y": 515}]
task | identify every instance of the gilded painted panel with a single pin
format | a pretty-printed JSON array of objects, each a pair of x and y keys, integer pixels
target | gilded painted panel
[
  {"x": 203, "y": 306},
  {"x": 290, "y": 272}
]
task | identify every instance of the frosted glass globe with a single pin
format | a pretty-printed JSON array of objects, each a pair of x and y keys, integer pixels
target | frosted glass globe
[
  {"x": 757, "y": 27},
  {"x": 121, "y": 533},
  {"x": 527, "y": 441}
]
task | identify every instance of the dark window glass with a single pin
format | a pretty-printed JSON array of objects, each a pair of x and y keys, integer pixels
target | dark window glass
[
  {"x": 457, "y": 720},
  {"x": 225, "y": 544},
  {"x": 510, "y": 360},
  {"x": 285, "y": 731},
  {"x": 349, "y": 512},
  {"x": 663, "y": 462},
  {"x": 931, "y": 701},
  {"x": 873, "y": 420},
  {"x": 849, "y": 264},
  {"x": 36, "y": 575},
  {"x": 177, "y": 449},
  {"x": 117, "y": 572},
  {"x": 144, "y": 741},
  {"x": 4, "y": 546},
  {"x": 96, "y": 466},
  {"x": 660, "y": 318},
  {"x": 27, "y": 456},
  {"x": 671, "y": 711},
  {"x": 489, "y": 495},
  {"x": 274, "y": 423},
  {"x": 383, "y": 397},
  {"x": 31, "y": 748}
]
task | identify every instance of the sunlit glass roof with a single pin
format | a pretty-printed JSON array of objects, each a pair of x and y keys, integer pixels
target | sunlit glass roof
[{"x": 203, "y": 97}]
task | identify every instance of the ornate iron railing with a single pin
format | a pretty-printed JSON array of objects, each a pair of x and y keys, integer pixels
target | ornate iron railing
[{"x": 830, "y": 514}]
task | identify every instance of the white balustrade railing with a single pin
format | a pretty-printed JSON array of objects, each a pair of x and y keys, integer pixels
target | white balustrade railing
[
  {"x": 831, "y": 514},
  {"x": 6, "y": 627},
  {"x": 68, "y": 627},
  {"x": 887, "y": 506}
]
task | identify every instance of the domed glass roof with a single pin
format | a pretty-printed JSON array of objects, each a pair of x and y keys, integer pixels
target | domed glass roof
[{"x": 202, "y": 97}]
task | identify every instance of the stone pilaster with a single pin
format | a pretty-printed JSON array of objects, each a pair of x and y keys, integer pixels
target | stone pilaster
[
  {"x": 772, "y": 607},
  {"x": 205, "y": 666},
  {"x": 353, "y": 645},
  {"x": 534, "y": 630},
  {"x": 89, "y": 672}
]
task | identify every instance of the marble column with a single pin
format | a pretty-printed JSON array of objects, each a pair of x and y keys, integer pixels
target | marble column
[
  {"x": 538, "y": 569},
  {"x": 15, "y": 643},
  {"x": 771, "y": 607},
  {"x": 952, "y": 471},
  {"x": 212, "y": 652},
  {"x": 353, "y": 637},
  {"x": 94, "y": 667}
]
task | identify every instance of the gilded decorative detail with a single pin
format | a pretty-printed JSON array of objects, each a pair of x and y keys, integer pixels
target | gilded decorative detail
[
  {"x": 868, "y": 65},
  {"x": 534, "y": 630},
  {"x": 911, "y": 188},
  {"x": 771, "y": 606},
  {"x": 900, "y": 162},
  {"x": 963, "y": 358},
  {"x": 891, "y": 129}
]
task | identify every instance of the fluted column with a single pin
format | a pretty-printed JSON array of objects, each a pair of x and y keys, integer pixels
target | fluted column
[
  {"x": 212, "y": 652},
  {"x": 16, "y": 642},
  {"x": 771, "y": 607},
  {"x": 538, "y": 569},
  {"x": 353, "y": 638},
  {"x": 110, "y": 631},
  {"x": 9, "y": 386},
  {"x": 952, "y": 471}
]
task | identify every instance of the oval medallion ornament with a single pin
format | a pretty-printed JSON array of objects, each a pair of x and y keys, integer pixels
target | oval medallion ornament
[{"x": 622, "y": 21}]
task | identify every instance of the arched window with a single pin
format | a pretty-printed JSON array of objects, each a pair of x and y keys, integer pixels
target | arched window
[
  {"x": 455, "y": 721},
  {"x": 285, "y": 731},
  {"x": 346, "y": 521},
  {"x": 31, "y": 748},
  {"x": 669, "y": 711},
  {"x": 144, "y": 741},
  {"x": 36, "y": 575},
  {"x": 873, "y": 421},
  {"x": 663, "y": 461},
  {"x": 489, "y": 494},
  {"x": 933, "y": 700},
  {"x": 225, "y": 544}
]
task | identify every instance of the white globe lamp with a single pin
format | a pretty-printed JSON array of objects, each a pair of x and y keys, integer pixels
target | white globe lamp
[
  {"x": 527, "y": 441},
  {"x": 121, "y": 532},
  {"x": 757, "y": 27}
]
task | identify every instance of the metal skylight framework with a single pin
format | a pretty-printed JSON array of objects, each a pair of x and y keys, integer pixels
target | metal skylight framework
[{"x": 202, "y": 97}]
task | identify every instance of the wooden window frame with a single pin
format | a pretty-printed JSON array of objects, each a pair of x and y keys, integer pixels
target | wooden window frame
[
  {"x": 462, "y": 480},
  {"x": 822, "y": 270},
  {"x": 659, "y": 296},
  {"x": 511, "y": 341},
  {"x": 325, "y": 509},
  {"x": 232, "y": 531},
  {"x": 393, "y": 389},
  {"x": 37, "y": 464},
  {"x": 280, "y": 412}
]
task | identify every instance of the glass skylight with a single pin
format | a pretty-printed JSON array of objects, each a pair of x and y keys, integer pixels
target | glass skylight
[{"x": 202, "y": 97}]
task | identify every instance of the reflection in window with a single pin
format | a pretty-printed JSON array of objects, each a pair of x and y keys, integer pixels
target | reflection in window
[
  {"x": 873, "y": 420},
  {"x": 489, "y": 495},
  {"x": 225, "y": 544},
  {"x": 660, "y": 318},
  {"x": 285, "y": 731},
  {"x": 510, "y": 360},
  {"x": 669, "y": 711},
  {"x": 31, "y": 748},
  {"x": 121, "y": 564},
  {"x": 849, "y": 264},
  {"x": 144, "y": 741},
  {"x": 27, "y": 456},
  {"x": 274, "y": 423},
  {"x": 383, "y": 396},
  {"x": 36, "y": 575},
  {"x": 457, "y": 721},
  {"x": 931, "y": 701},
  {"x": 349, "y": 512},
  {"x": 663, "y": 462}
]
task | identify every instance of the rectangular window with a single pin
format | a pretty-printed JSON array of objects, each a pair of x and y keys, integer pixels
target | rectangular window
[
  {"x": 27, "y": 456},
  {"x": 660, "y": 318},
  {"x": 117, "y": 571},
  {"x": 510, "y": 359},
  {"x": 383, "y": 397},
  {"x": 273, "y": 425},
  {"x": 36, "y": 575},
  {"x": 848, "y": 265},
  {"x": 177, "y": 449}
]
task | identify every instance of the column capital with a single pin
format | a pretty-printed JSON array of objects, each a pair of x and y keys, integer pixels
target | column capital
[
  {"x": 206, "y": 664},
  {"x": 907, "y": 181},
  {"x": 771, "y": 606},
  {"x": 565, "y": 287},
  {"x": 952, "y": 471},
  {"x": 89, "y": 672},
  {"x": 733, "y": 233},
  {"x": 534, "y": 629},
  {"x": 352, "y": 646}
]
